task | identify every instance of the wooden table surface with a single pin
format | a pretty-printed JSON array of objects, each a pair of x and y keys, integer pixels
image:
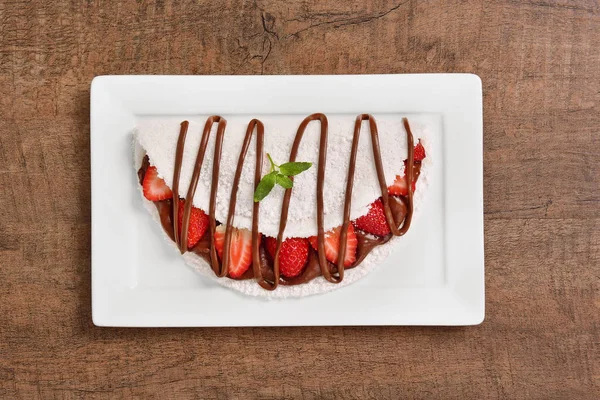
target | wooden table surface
[{"x": 540, "y": 65}]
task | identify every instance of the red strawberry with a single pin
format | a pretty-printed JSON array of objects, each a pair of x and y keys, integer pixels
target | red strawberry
[
  {"x": 332, "y": 244},
  {"x": 400, "y": 186},
  {"x": 240, "y": 251},
  {"x": 292, "y": 256},
  {"x": 198, "y": 224},
  {"x": 374, "y": 222},
  {"x": 155, "y": 188},
  {"x": 419, "y": 153}
]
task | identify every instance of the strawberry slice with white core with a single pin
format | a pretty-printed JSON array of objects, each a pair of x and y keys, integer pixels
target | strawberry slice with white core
[
  {"x": 240, "y": 250},
  {"x": 155, "y": 188},
  {"x": 332, "y": 245}
]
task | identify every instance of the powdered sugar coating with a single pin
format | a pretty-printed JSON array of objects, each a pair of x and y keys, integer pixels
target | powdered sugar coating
[
  {"x": 158, "y": 136},
  {"x": 306, "y": 201}
]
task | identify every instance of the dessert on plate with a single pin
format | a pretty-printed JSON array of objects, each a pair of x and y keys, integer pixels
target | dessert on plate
[{"x": 283, "y": 205}]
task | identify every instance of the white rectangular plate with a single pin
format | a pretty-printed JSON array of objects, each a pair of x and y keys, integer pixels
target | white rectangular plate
[{"x": 435, "y": 277}]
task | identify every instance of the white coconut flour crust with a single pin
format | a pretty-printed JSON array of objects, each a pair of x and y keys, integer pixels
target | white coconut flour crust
[{"x": 148, "y": 140}]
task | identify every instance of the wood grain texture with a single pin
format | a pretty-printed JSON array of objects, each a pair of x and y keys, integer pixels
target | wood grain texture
[{"x": 540, "y": 65}]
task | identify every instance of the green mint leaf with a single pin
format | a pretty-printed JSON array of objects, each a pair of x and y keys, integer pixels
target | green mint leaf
[
  {"x": 265, "y": 186},
  {"x": 279, "y": 175},
  {"x": 284, "y": 181},
  {"x": 294, "y": 168}
]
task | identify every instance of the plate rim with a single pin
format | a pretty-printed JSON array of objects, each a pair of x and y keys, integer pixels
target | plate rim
[{"x": 468, "y": 294}]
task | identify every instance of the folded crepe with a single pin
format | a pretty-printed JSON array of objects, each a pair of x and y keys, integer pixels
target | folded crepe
[{"x": 157, "y": 139}]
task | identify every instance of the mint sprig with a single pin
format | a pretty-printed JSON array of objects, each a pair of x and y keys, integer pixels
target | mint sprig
[{"x": 279, "y": 175}]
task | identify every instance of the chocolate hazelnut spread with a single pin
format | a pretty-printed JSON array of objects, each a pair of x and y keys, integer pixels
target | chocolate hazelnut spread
[{"x": 265, "y": 269}]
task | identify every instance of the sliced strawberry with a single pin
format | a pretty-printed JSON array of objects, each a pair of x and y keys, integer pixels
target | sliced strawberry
[
  {"x": 155, "y": 188},
  {"x": 374, "y": 222},
  {"x": 332, "y": 245},
  {"x": 292, "y": 256},
  {"x": 198, "y": 224},
  {"x": 220, "y": 239},
  {"x": 240, "y": 251},
  {"x": 400, "y": 186},
  {"x": 419, "y": 153}
]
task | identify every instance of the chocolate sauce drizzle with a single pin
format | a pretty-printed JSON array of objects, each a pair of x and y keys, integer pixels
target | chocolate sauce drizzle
[{"x": 398, "y": 211}]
